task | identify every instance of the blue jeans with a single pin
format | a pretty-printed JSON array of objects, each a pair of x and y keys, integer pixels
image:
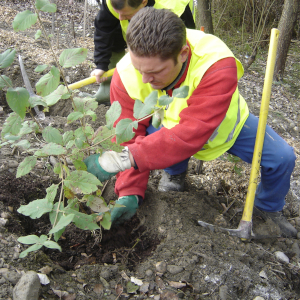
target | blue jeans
[{"x": 277, "y": 164}]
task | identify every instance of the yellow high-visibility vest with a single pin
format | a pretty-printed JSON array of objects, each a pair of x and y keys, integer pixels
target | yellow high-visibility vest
[
  {"x": 206, "y": 50},
  {"x": 176, "y": 6}
]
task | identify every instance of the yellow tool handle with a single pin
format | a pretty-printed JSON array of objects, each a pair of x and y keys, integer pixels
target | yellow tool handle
[
  {"x": 261, "y": 128},
  {"x": 90, "y": 80}
]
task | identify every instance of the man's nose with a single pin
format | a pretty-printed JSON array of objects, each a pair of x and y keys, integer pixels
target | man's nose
[{"x": 147, "y": 78}]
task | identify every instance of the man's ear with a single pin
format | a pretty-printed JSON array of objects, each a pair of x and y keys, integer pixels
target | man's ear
[
  {"x": 144, "y": 3},
  {"x": 184, "y": 53}
]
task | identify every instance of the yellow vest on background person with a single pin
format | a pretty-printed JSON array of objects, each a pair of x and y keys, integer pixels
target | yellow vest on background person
[
  {"x": 176, "y": 6},
  {"x": 206, "y": 50}
]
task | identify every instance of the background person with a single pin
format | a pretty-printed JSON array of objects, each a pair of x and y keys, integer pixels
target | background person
[
  {"x": 110, "y": 33},
  {"x": 213, "y": 118}
]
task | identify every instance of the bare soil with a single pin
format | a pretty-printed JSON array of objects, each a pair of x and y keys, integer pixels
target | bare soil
[{"x": 199, "y": 263}]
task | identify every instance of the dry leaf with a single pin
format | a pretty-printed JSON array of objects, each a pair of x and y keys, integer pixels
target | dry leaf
[
  {"x": 177, "y": 285},
  {"x": 46, "y": 270},
  {"x": 119, "y": 289}
]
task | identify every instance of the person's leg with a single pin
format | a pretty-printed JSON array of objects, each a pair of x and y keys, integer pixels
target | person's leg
[
  {"x": 173, "y": 177},
  {"x": 277, "y": 164},
  {"x": 102, "y": 95}
]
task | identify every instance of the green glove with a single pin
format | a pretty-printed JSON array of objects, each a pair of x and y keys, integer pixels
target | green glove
[
  {"x": 108, "y": 164},
  {"x": 93, "y": 166},
  {"x": 121, "y": 214}
]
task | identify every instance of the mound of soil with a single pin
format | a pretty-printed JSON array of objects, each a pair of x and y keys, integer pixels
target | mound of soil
[{"x": 162, "y": 250}]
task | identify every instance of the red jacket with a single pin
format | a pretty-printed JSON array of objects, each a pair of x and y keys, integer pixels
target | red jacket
[{"x": 206, "y": 109}]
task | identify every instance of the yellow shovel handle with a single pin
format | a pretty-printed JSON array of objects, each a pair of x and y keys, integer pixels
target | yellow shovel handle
[
  {"x": 90, "y": 80},
  {"x": 261, "y": 128}
]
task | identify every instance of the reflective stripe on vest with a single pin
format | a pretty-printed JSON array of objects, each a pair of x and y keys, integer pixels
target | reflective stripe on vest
[
  {"x": 206, "y": 50},
  {"x": 176, "y": 6}
]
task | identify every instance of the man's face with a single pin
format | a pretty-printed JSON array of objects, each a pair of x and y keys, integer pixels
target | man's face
[
  {"x": 128, "y": 12},
  {"x": 159, "y": 73}
]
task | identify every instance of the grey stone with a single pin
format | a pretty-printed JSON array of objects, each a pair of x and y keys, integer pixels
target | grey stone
[
  {"x": 28, "y": 287},
  {"x": 174, "y": 269},
  {"x": 296, "y": 249},
  {"x": 12, "y": 276},
  {"x": 223, "y": 292},
  {"x": 161, "y": 267}
]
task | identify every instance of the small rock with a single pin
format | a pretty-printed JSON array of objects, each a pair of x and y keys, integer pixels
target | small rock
[
  {"x": 259, "y": 298},
  {"x": 161, "y": 267},
  {"x": 3, "y": 222},
  {"x": 296, "y": 249},
  {"x": 174, "y": 269},
  {"x": 263, "y": 274},
  {"x": 297, "y": 221},
  {"x": 5, "y": 215},
  {"x": 223, "y": 292},
  {"x": 149, "y": 273},
  {"x": 11, "y": 276},
  {"x": 168, "y": 295},
  {"x": 281, "y": 257},
  {"x": 144, "y": 288}
]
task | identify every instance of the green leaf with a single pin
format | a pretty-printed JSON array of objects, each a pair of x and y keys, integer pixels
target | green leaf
[
  {"x": 124, "y": 130},
  {"x": 26, "y": 166},
  {"x": 30, "y": 249},
  {"x": 7, "y": 57},
  {"x": 74, "y": 116},
  {"x": 113, "y": 114},
  {"x": 79, "y": 165},
  {"x": 52, "y": 245},
  {"x": 29, "y": 239},
  {"x": 97, "y": 204},
  {"x": 181, "y": 92},
  {"x": 72, "y": 57},
  {"x": 24, "y": 20},
  {"x": 157, "y": 118},
  {"x": 52, "y": 135},
  {"x": 83, "y": 221},
  {"x": 92, "y": 114},
  {"x": 131, "y": 287},
  {"x": 103, "y": 133},
  {"x": 5, "y": 82},
  {"x": 46, "y": 6},
  {"x": 12, "y": 125},
  {"x": 36, "y": 100},
  {"x": 79, "y": 143},
  {"x": 141, "y": 109},
  {"x": 51, "y": 192},
  {"x": 82, "y": 182},
  {"x": 106, "y": 221},
  {"x": 165, "y": 100},
  {"x": 57, "y": 169},
  {"x": 35, "y": 209},
  {"x": 52, "y": 216},
  {"x": 24, "y": 144},
  {"x": 38, "y": 34},
  {"x": 40, "y": 68},
  {"x": 67, "y": 136},
  {"x": 48, "y": 83},
  {"x": 17, "y": 99},
  {"x": 53, "y": 149},
  {"x": 27, "y": 127},
  {"x": 62, "y": 223},
  {"x": 60, "y": 93}
]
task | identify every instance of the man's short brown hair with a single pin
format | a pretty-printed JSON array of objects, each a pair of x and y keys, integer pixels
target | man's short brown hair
[
  {"x": 120, "y": 4},
  {"x": 156, "y": 32}
]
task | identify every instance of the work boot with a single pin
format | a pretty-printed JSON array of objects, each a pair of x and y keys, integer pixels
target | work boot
[
  {"x": 169, "y": 182},
  {"x": 102, "y": 95},
  {"x": 287, "y": 230}
]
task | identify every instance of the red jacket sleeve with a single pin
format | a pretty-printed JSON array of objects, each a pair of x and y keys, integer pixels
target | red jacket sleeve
[{"x": 206, "y": 109}]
